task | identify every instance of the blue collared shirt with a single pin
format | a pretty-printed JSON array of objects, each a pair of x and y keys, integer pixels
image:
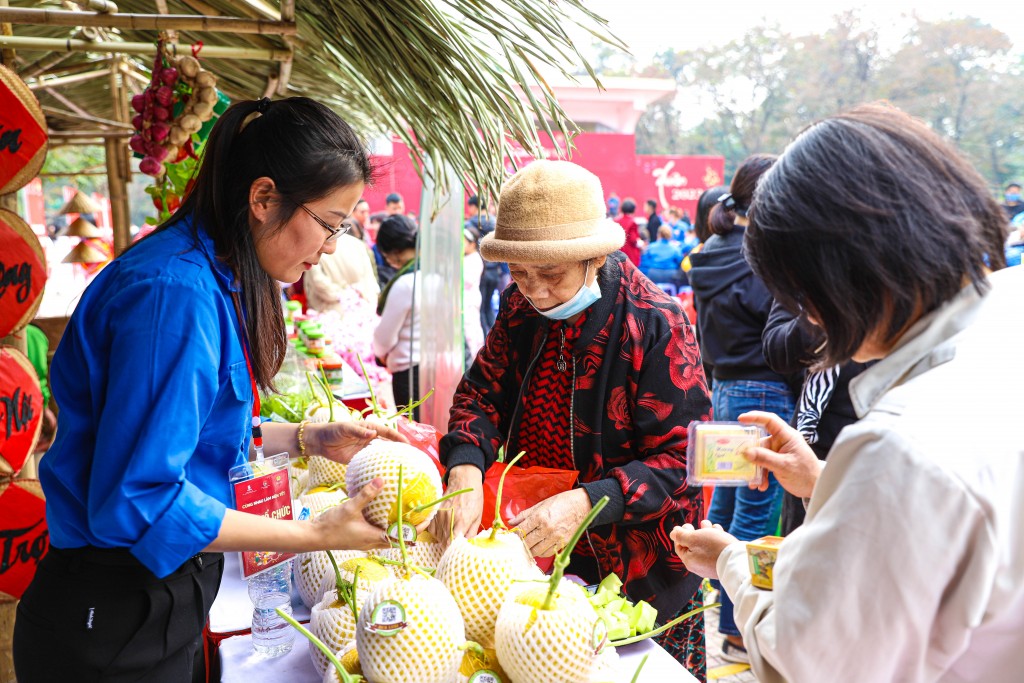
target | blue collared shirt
[{"x": 155, "y": 403}]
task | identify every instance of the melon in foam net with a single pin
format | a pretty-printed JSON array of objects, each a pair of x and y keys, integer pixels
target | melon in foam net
[
  {"x": 333, "y": 619},
  {"x": 425, "y": 553},
  {"x": 324, "y": 471},
  {"x": 421, "y": 483},
  {"x": 549, "y": 632},
  {"x": 427, "y": 648},
  {"x": 479, "y": 572},
  {"x": 313, "y": 573}
]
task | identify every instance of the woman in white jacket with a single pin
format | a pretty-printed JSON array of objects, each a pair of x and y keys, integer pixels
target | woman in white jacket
[
  {"x": 909, "y": 567},
  {"x": 396, "y": 341}
]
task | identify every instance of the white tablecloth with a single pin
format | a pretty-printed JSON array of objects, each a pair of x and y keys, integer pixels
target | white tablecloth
[
  {"x": 232, "y": 610},
  {"x": 239, "y": 664}
]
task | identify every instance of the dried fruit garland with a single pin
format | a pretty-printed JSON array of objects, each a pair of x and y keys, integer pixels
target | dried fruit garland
[{"x": 180, "y": 98}]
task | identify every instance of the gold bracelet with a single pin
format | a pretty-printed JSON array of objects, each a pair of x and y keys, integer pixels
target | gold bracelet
[{"x": 302, "y": 440}]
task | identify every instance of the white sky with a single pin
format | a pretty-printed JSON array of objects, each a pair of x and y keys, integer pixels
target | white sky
[{"x": 649, "y": 26}]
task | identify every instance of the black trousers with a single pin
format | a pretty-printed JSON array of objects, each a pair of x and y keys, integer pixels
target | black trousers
[
  {"x": 94, "y": 614},
  {"x": 400, "y": 386}
]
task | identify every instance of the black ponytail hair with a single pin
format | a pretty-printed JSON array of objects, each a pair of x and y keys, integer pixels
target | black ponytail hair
[{"x": 308, "y": 151}]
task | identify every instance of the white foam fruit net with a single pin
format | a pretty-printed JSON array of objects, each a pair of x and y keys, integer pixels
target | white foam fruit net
[
  {"x": 479, "y": 579},
  {"x": 555, "y": 646},
  {"x": 324, "y": 471},
  {"x": 324, "y": 500},
  {"x": 383, "y": 459},
  {"x": 334, "y": 624},
  {"x": 423, "y": 555},
  {"x": 299, "y": 477},
  {"x": 313, "y": 571},
  {"x": 427, "y": 649}
]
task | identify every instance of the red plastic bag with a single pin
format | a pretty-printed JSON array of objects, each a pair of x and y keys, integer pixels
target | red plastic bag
[
  {"x": 524, "y": 488},
  {"x": 424, "y": 437}
]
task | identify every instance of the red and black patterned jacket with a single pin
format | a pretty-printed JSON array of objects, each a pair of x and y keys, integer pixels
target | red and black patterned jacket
[{"x": 638, "y": 383}]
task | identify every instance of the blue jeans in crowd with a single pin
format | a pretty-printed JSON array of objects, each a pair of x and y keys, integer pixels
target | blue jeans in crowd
[{"x": 743, "y": 512}]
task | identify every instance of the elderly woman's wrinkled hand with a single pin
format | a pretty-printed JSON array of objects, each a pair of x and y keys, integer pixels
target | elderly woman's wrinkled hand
[
  {"x": 461, "y": 515},
  {"x": 786, "y": 455},
  {"x": 699, "y": 548},
  {"x": 547, "y": 526}
]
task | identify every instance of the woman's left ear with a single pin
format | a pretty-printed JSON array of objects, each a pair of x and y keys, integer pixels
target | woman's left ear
[
  {"x": 599, "y": 261},
  {"x": 261, "y": 192}
]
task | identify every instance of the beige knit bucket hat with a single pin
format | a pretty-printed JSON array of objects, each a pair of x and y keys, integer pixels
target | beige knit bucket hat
[{"x": 551, "y": 212}]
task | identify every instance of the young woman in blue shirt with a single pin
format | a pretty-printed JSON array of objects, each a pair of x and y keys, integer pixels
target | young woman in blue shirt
[{"x": 155, "y": 380}]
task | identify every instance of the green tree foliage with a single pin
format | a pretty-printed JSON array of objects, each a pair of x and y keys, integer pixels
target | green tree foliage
[{"x": 959, "y": 75}]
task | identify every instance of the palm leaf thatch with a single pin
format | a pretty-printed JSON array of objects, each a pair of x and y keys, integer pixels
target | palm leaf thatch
[{"x": 451, "y": 78}]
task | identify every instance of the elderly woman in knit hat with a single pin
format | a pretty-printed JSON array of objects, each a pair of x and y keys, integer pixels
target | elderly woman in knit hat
[{"x": 589, "y": 367}]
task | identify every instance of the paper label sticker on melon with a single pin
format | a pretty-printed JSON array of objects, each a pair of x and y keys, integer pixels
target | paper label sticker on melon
[
  {"x": 408, "y": 533},
  {"x": 485, "y": 676},
  {"x": 387, "y": 618}
]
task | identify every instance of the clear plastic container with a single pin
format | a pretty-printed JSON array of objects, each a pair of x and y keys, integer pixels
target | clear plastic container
[
  {"x": 272, "y": 636},
  {"x": 714, "y": 454}
]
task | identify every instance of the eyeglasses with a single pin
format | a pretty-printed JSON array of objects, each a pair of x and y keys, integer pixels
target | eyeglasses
[{"x": 335, "y": 233}]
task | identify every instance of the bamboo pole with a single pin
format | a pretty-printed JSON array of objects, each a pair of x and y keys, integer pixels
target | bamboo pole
[
  {"x": 147, "y": 22},
  {"x": 285, "y": 68},
  {"x": 203, "y": 8},
  {"x": 6, "y": 30},
  {"x": 65, "y": 80},
  {"x": 71, "y": 134},
  {"x": 118, "y": 169},
  {"x": 70, "y": 174},
  {"x": 60, "y": 113},
  {"x": 51, "y": 66},
  {"x": 209, "y": 51},
  {"x": 130, "y": 72}
]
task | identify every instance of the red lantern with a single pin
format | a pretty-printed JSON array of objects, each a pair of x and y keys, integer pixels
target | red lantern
[
  {"x": 21, "y": 410},
  {"x": 22, "y": 273},
  {"x": 22, "y": 133},
  {"x": 24, "y": 532}
]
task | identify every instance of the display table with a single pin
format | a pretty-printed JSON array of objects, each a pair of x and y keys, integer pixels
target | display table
[
  {"x": 231, "y": 613},
  {"x": 239, "y": 664},
  {"x": 229, "y": 637}
]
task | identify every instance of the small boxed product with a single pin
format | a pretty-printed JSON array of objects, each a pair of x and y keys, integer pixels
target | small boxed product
[
  {"x": 761, "y": 555},
  {"x": 714, "y": 454}
]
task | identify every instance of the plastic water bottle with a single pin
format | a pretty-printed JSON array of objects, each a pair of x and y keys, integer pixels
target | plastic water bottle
[{"x": 272, "y": 636}]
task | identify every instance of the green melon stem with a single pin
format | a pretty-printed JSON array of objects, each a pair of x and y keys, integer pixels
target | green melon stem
[
  {"x": 369, "y": 385},
  {"x": 562, "y": 559},
  {"x": 346, "y": 590},
  {"x": 312, "y": 388},
  {"x": 346, "y": 677},
  {"x": 636, "y": 674},
  {"x": 327, "y": 388},
  {"x": 658, "y": 631},
  {"x": 475, "y": 647},
  {"x": 448, "y": 496},
  {"x": 411, "y": 407},
  {"x": 401, "y": 536},
  {"x": 498, "y": 523}
]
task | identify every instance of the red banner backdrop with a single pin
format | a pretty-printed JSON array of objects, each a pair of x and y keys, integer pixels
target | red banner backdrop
[{"x": 671, "y": 180}]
